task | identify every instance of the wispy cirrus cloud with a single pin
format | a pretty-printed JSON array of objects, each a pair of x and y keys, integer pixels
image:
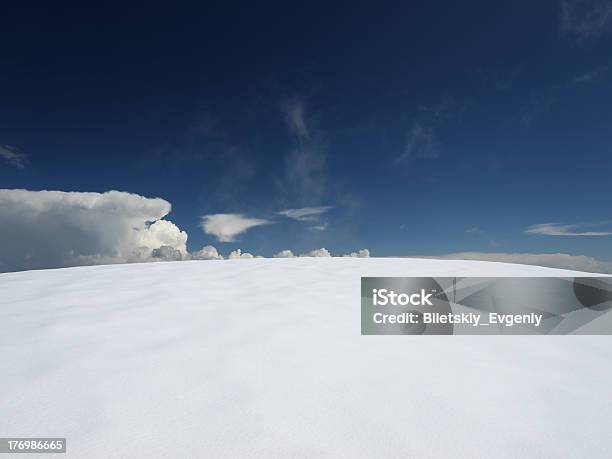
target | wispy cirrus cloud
[
  {"x": 305, "y": 177},
  {"x": 558, "y": 229},
  {"x": 474, "y": 230},
  {"x": 590, "y": 76},
  {"x": 294, "y": 109},
  {"x": 507, "y": 80},
  {"x": 305, "y": 214},
  {"x": 422, "y": 139},
  {"x": 421, "y": 143},
  {"x": 225, "y": 227},
  {"x": 480, "y": 233},
  {"x": 308, "y": 214},
  {"x": 13, "y": 156},
  {"x": 580, "y": 20},
  {"x": 321, "y": 227},
  {"x": 585, "y": 19},
  {"x": 536, "y": 109},
  {"x": 542, "y": 104}
]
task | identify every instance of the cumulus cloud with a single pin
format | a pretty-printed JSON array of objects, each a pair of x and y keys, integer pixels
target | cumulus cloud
[
  {"x": 557, "y": 229},
  {"x": 551, "y": 260},
  {"x": 585, "y": 19},
  {"x": 237, "y": 254},
  {"x": 225, "y": 227},
  {"x": 47, "y": 229},
  {"x": 363, "y": 253},
  {"x": 322, "y": 252},
  {"x": 163, "y": 232},
  {"x": 13, "y": 156},
  {"x": 208, "y": 252},
  {"x": 167, "y": 253},
  {"x": 284, "y": 254},
  {"x": 305, "y": 214}
]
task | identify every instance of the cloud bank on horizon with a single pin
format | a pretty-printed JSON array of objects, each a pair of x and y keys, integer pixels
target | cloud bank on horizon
[
  {"x": 558, "y": 229},
  {"x": 51, "y": 229},
  {"x": 43, "y": 229},
  {"x": 550, "y": 260}
]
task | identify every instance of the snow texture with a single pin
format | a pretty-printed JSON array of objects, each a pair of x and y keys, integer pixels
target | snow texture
[{"x": 264, "y": 358}]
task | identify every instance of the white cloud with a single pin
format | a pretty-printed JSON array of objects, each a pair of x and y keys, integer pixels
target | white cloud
[
  {"x": 421, "y": 143},
  {"x": 422, "y": 140},
  {"x": 293, "y": 110},
  {"x": 284, "y": 254},
  {"x": 163, "y": 232},
  {"x": 537, "y": 108},
  {"x": 207, "y": 252},
  {"x": 237, "y": 254},
  {"x": 47, "y": 229},
  {"x": 590, "y": 76},
  {"x": 305, "y": 174},
  {"x": 321, "y": 227},
  {"x": 225, "y": 227},
  {"x": 557, "y": 229},
  {"x": 13, "y": 156},
  {"x": 166, "y": 253},
  {"x": 305, "y": 165},
  {"x": 308, "y": 214},
  {"x": 322, "y": 252},
  {"x": 551, "y": 260},
  {"x": 363, "y": 253},
  {"x": 584, "y": 19},
  {"x": 305, "y": 213}
]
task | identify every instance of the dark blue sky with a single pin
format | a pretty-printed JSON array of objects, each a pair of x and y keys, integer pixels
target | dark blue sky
[{"x": 429, "y": 127}]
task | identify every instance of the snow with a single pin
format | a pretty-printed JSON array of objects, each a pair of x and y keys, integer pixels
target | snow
[{"x": 264, "y": 358}]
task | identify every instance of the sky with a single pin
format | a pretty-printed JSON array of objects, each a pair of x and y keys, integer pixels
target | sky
[{"x": 408, "y": 128}]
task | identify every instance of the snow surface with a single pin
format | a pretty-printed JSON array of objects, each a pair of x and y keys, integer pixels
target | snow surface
[{"x": 264, "y": 358}]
